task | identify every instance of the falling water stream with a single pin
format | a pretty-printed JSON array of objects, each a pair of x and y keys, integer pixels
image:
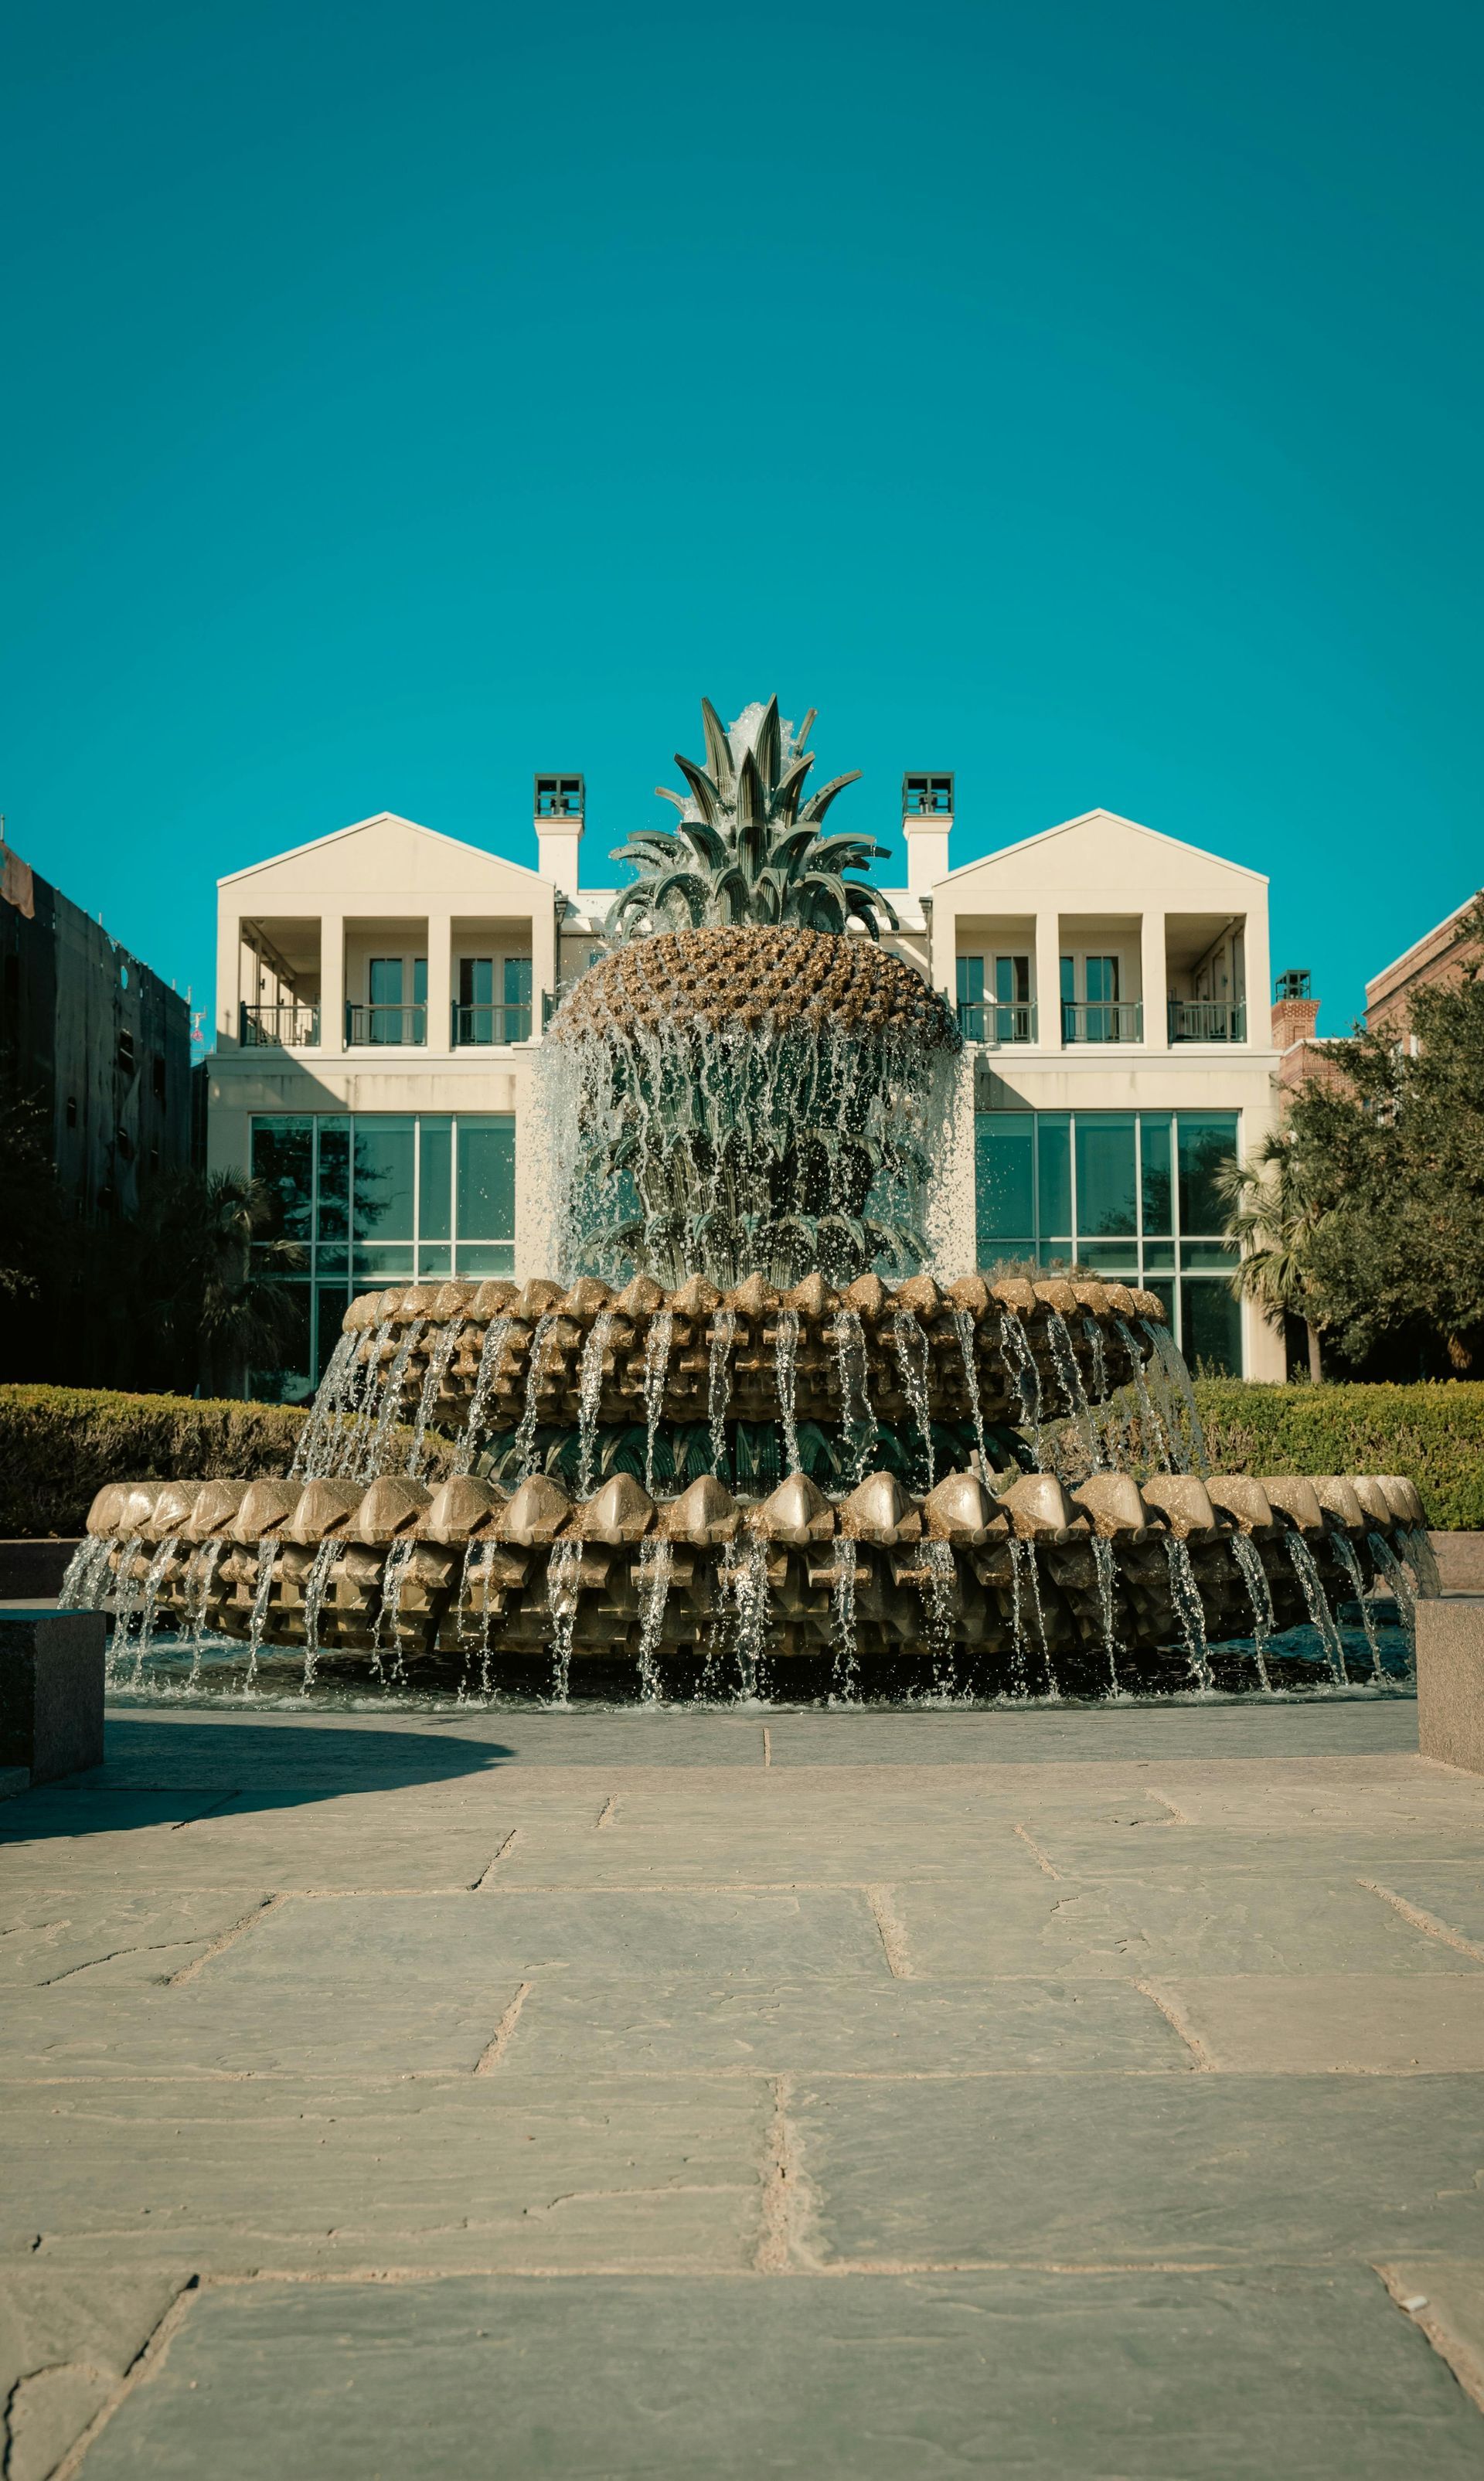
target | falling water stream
[
  {"x": 656, "y": 1566},
  {"x": 657, "y": 1361},
  {"x": 912, "y": 1359},
  {"x": 846, "y": 1650},
  {"x": 964, "y": 1328},
  {"x": 589, "y": 1387},
  {"x": 786, "y": 1364},
  {"x": 857, "y": 1427},
  {"x": 1301, "y": 1561},
  {"x": 525, "y": 1436},
  {"x": 719, "y": 1385},
  {"x": 487, "y": 1377},
  {"x": 1244, "y": 1551}
]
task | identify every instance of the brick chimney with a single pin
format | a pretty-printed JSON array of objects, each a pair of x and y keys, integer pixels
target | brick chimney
[{"x": 1294, "y": 1013}]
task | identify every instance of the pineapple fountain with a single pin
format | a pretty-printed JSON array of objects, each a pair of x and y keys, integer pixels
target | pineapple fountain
[{"x": 744, "y": 1444}]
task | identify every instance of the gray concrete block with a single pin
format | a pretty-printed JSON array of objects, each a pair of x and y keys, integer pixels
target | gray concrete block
[
  {"x": 1450, "y": 1681},
  {"x": 34, "y": 1565},
  {"x": 1154, "y": 2377},
  {"x": 51, "y": 1690}
]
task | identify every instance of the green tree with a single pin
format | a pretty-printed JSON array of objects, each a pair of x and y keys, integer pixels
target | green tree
[
  {"x": 208, "y": 1281},
  {"x": 1275, "y": 1214}
]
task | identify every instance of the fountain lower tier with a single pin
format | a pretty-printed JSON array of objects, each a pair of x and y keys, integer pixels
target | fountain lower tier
[{"x": 1013, "y": 1586}]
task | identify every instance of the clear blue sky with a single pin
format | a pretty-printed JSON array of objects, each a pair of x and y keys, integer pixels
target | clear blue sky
[{"x": 1083, "y": 397}]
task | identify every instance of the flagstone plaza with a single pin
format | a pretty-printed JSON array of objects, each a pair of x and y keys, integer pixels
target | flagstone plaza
[{"x": 873, "y": 2094}]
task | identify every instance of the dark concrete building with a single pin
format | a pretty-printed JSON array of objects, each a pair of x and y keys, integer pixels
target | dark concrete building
[{"x": 96, "y": 1038}]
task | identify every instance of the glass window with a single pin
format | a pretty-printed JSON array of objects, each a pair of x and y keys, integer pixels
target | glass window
[
  {"x": 970, "y": 980},
  {"x": 283, "y": 1161},
  {"x": 1155, "y": 1149},
  {"x": 332, "y": 1221},
  {"x": 1012, "y": 980},
  {"x": 476, "y": 982},
  {"x": 384, "y": 982},
  {"x": 1102, "y": 974},
  {"x": 487, "y": 1258},
  {"x": 1106, "y": 1185},
  {"x": 1118, "y": 1257},
  {"x": 1211, "y": 1327},
  {"x": 1053, "y": 1167},
  {"x": 331, "y": 1300},
  {"x": 487, "y": 1178},
  {"x": 383, "y": 1263},
  {"x": 420, "y": 982},
  {"x": 517, "y": 999},
  {"x": 435, "y": 1180},
  {"x": 287, "y": 1379},
  {"x": 1207, "y": 1253},
  {"x": 1206, "y": 1139},
  {"x": 1004, "y": 1182},
  {"x": 384, "y": 1177}
]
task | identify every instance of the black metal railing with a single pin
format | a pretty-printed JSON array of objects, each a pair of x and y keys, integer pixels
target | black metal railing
[
  {"x": 1207, "y": 1021},
  {"x": 487, "y": 1021},
  {"x": 377, "y": 1021},
  {"x": 997, "y": 1020},
  {"x": 1101, "y": 1020},
  {"x": 293, "y": 1025}
]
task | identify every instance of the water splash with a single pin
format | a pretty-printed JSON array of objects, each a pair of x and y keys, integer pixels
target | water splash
[
  {"x": 1156, "y": 1446},
  {"x": 656, "y": 1567},
  {"x": 939, "y": 1584},
  {"x": 1021, "y": 1556},
  {"x": 1070, "y": 1377},
  {"x": 1244, "y": 1551},
  {"x": 1178, "y": 1383},
  {"x": 786, "y": 1363},
  {"x": 964, "y": 1329},
  {"x": 83, "y": 1584},
  {"x": 719, "y": 1385},
  {"x": 1189, "y": 1611},
  {"x": 202, "y": 1578},
  {"x": 315, "y": 1586},
  {"x": 124, "y": 1600},
  {"x": 563, "y": 1591},
  {"x": 657, "y": 1361},
  {"x": 857, "y": 1429},
  {"x": 846, "y": 1647},
  {"x": 912, "y": 1359},
  {"x": 1301, "y": 1561},
  {"x": 268, "y": 1553},
  {"x": 491, "y": 1356},
  {"x": 348, "y": 1450},
  {"x": 1344, "y": 1552},
  {"x": 438, "y": 1360},
  {"x": 525, "y": 1436},
  {"x": 589, "y": 1390},
  {"x": 745, "y": 1574},
  {"x": 387, "y": 1634},
  {"x": 149, "y": 1604},
  {"x": 1423, "y": 1561}
]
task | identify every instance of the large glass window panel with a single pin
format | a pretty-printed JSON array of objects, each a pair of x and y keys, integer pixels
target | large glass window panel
[
  {"x": 1056, "y": 1252},
  {"x": 420, "y": 982},
  {"x": 1158, "y": 1191},
  {"x": 283, "y": 1161},
  {"x": 384, "y": 1177},
  {"x": 1012, "y": 980},
  {"x": 1119, "y": 1258},
  {"x": 970, "y": 980},
  {"x": 486, "y": 1258},
  {"x": 476, "y": 982},
  {"x": 435, "y": 1180},
  {"x": 1159, "y": 1257},
  {"x": 435, "y": 1262},
  {"x": 1107, "y": 1182},
  {"x": 1207, "y": 1253},
  {"x": 1207, "y": 1140},
  {"x": 333, "y": 1213},
  {"x": 1003, "y": 1177},
  {"x": 384, "y": 1262},
  {"x": 330, "y": 1301},
  {"x": 287, "y": 1378},
  {"x": 517, "y": 999},
  {"x": 1163, "y": 1291},
  {"x": 1210, "y": 1325},
  {"x": 384, "y": 982},
  {"x": 1053, "y": 1169},
  {"x": 485, "y": 1179}
]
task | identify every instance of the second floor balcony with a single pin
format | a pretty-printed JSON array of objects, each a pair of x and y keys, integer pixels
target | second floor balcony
[
  {"x": 997, "y": 1022},
  {"x": 484, "y": 1022},
  {"x": 290, "y": 1025},
  {"x": 1207, "y": 1021},
  {"x": 1102, "y": 1021},
  {"x": 385, "y": 1021}
]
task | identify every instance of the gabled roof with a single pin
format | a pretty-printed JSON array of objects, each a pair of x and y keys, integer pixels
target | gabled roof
[
  {"x": 1115, "y": 819},
  {"x": 381, "y": 818}
]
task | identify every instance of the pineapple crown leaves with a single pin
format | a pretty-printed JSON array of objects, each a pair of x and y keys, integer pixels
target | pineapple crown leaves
[{"x": 749, "y": 848}]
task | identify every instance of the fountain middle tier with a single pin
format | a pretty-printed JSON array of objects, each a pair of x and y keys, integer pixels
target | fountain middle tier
[
  {"x": 554, "y": 1356},
  {"x": 1033, "y": 1586}
]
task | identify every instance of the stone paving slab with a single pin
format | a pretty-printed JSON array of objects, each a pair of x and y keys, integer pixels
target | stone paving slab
[
  {"x": 66, "y": 2340},
  {"x": 435, "y": 2176},
  {"x": 1355, "y": 2023},
  {"x": 1309, "y": 2376},
  {"x": 77, "y": 2033},
  {"x": 1181, "y": 1920},
  {"x": 591, "y": 2027},
  {"x": 1444, "y": 2297},
  {"x": 437, "y": 1942},
  {"x": 883, "y": 1736},
  {"x": 112, "y": 1938},
  {"x": 1138, "y": 2170}
]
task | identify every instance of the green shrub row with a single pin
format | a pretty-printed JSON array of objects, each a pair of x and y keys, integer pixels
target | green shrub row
[
  {"x": 1433, "y": 1433},
  {"x": 58, "y": 1446}
]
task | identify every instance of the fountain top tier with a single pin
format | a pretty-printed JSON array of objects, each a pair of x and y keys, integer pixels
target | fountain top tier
[{"x": 643, "y": 1299}]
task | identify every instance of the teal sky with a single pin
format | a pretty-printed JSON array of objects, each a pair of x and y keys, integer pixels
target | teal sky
[{"x": 1083, "y": 397}]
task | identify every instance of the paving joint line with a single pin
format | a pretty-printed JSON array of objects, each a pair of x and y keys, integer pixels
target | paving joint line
[
  {"x": 218, "y": 1946},
  {"x": 212, "y": 1809},
  {"x": 1034, "y": 1847},
  {"x": 1419, "y": 1919},
  {"x": 491, "y": 2056},
  {"x": 1175, "y": 2018},
  {"x": 893, "y": 1932},
  {"x": 609, "y": 1811},
  {"x": 1452, "y": 2350},
  {"x": 477, "y": 1885},
  {"x": 144, "y": 2366}
]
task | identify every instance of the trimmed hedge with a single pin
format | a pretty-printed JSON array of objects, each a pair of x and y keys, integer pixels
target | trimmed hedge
[
  {"x": 60, "y": 1444},
  {"x": 1432, "y": 1432}
]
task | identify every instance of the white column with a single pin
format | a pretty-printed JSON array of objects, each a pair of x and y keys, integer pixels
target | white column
[
  {"x": 440, "y": 980},
  {"x": 543, "y": 957},
  {"x": 1156, "y": 1033},
  {"x": 332, "y": 982},
  {"x": 1047, "y": 979}
]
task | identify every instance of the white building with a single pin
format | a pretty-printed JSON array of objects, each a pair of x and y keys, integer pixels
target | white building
[{"x": 381, "y": 993}]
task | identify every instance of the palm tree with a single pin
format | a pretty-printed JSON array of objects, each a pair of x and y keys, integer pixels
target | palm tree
[{"x": 1274, "y": 1217}]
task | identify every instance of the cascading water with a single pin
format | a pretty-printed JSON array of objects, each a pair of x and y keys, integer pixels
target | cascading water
[
  {"x": 964, "y": 1329},
  {"x": 1392, "y": 1569},
  {"x": 1344, "y": 1552},
  {"x": 1176, "y": 1382},
  {"x": 657, "y": 1361},
  {"x": 268, "y": 1554},
  {"x": 497, "y": 1336},
  {"x": 846, "y": 1650},
  {"x": 786, "y": 1363},
  {"x": 315, "y": 1586},
  {"x": 1070, "y": 1377},
  {"x": 1423, "y": 1561},
  {"x": 319, "y": 1439},
  {"x": 1107, "y": 1570},
  {"x": 388, "y": 1632},
  {"x": 857, "y": 1428},
  {"x": 912, "y": 1361},
  {"x": 525, "y": 1436},
  {"x": 1156, "y": 1446},
  {"x": 375, "y": 1460},
  {"x": 1261, "y": 1597},
  {"x": 150, "y": 1603},
  {"x": 939, "y": 1585},
  {"x": 1015, "y": 1346},
  {"x": 1185, "y": 1598},
  {"x": 345, "y": 1451},
  {"x": 438, "y": 1360},
  {"x": 590, "y": 1389},
  {"x": 657, "y": 1565},
  {"x": 747, "y": 1576},
  {"x": 563, "y": 1574},
  {"x": 718, "y": 1387},
  {"x": 1312, "y": 1586}
]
